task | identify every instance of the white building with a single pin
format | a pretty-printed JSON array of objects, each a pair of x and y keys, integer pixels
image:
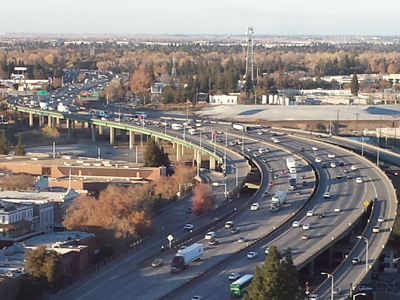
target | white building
[{"x": 230, "y": 99}]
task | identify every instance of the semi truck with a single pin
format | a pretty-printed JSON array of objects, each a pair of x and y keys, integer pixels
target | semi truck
[
  {"x": 176, "y": 126},
  {"x": 239, "y": 127},
  {"x": 291, "y": 164},
  {"x": 278, "y": 199},
  {"x": 184, "y": 257},
  {"x": 292, "y": 182}
]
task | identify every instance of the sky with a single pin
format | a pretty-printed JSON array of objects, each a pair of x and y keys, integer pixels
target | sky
[{"x": 267, "y": 17}]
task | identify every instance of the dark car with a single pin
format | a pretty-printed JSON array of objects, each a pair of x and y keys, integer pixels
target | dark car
[
  {"x": 214, "y": 242},
  {"x": 235, "y": 230},
  {"x": 304, "y": 183},
  {"x": 341, "y": 164},
  {"x": 189, "y": 210},
  {"x": 355, "y": 261},
  {"x": 323, "y": 166},
  {"x": 321, "y": 215}
]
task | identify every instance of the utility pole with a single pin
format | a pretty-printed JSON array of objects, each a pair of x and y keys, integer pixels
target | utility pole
[{"x": 356, "y": 123}]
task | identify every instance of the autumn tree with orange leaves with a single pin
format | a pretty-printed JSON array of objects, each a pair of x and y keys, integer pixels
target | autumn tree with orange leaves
[
  {"x": 203, "y": 200},
  {"x": 140, "y": 80}
]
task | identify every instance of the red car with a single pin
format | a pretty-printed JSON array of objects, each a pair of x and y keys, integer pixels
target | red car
[
  {"x": 271, "y": 183},
  {"x": 302, "y": 149},
  {"x": 283, "y": 172}
]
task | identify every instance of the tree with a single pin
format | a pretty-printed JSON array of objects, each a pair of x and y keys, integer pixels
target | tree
[
  {"x": 50, "y": 132},
  {"x": 276, "y": 279},
  {"x": 140, "y": 80},
  {"x": 19, "y": 148},
  {"x": 42, "y": 262},
  {"x": 154, "y": 156},
  {"x": 203, "y": 200},
  {"x": 3, "y": 143},
  {"x": 17, "y": 182},
  {"x": 354, "y": 86}
]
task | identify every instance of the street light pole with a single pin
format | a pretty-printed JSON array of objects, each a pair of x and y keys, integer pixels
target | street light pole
[
  {"x": 366, "y": 251},
  {"x": 237, "y": 174},
  {"x": 329, "y": 276},
  {"x": 362, "y": 146},
  {"x": 359, "y": 294},
  {"x": 218, "y": 184}
]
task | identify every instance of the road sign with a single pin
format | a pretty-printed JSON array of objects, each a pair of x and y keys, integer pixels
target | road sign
[
  {"x": 366, "y": 203},
  {"x": 41, "y": 93},
  {"x": 170, "y": 238}
]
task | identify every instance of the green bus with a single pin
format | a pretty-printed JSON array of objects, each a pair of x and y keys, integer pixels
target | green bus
[{"x": 239, "y": 287}]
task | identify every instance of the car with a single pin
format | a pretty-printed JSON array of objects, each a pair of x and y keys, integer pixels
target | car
[
  {"x": 299, "y": 166},
  {"x": 157, "y": 263},
  {"x": 274, "y": 208},
  {"x": 231, "y": 143},
  {"x": 188, "y": 227},
  {"x": 337, "y": 291},
  {"x": 316, "y": 153},
  {"x": 265, "y": 160},
  {"x": 271, "y": 183},
  {"x": 349, "y": 176},
  {"x": 364, "y": 288},
  {"x": 210, "y": 235},
  {"x": 395, "y": 173},
  {"x": 341, "y": 164},
  {"x": 271, "y": 170},
  {"x": 243, "y": 239},
  {"x": 353, "y": 168},
  {"x": 327, "y": 195},
  {"x": 305, "y": 237},
  {"x": 338, "y": 176},
  {"x": 314, "y": 148},
  {"x": 323, "y": 166},
  {"x": 331, "y": 155},
  {"x": 189, "y": 210},
  {"x": 266, "y": 250},
  {"x": 235, "y": 230},
  {"x": 261, "y": 150},
  {"x": 302, "y": 149},
  {"x": 254, "y": 206},
  {"x": 381, "y": 219},
  {"x": 255, "y": 154},
  {"x": 283, "y": 172},
  {"x": 276, "y": 176},
  {"x": 213, "y": 242},
  {"x": 375, "y": 229},
  {"x": 197, "y": 297},
  {"x": 359, "y": 180},
  {"x": 248, "y": 149},
  {"x": 251, "y": 255},
  {"x": 304, "y": 183},
  {"x": 321, "y": 215},
  {"x": 318, "y": 160},
  {"x": 306, "y": 226},
  {"x": 333, "y": 165},
  {"x": 310, "y": 213},
  {"x": 259, "y": 132},
  {"x": 296, "y": 224},
  {"x": 345, "y": 171},
  {"x": 313, "y": 297},
  {"x": 266, "y": 194},
  {"x": 276, "y": 141},
  {"x": 234, "y": 276},
  {"x": 355, "y": 260},
  {"x": 338, "y": 209},
  {"x": 206, "y": 136},
  {"x": 228, "y": 224}
]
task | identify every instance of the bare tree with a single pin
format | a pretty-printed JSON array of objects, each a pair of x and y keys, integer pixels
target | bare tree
[{"x": 203, "y": 200}]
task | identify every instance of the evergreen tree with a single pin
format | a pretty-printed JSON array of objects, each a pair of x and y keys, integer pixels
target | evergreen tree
[
  {"x": 354, "y": 87},
  {"x": 43, "y": 263},
  {"x": 19, "y": 148},
  {"x": 154, "y": 156},
  {"x": 276, "y": 279},
  {"x": 3, "y": 143}
]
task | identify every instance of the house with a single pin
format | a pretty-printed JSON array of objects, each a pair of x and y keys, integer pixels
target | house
[{"x": 230, "y": 99}]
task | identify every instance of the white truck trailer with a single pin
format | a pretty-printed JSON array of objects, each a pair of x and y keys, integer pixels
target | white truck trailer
[
  {"x": 278, "y": 199},
  {"x": 184, "y": 257},
  {"x": 291, "y": 164}
]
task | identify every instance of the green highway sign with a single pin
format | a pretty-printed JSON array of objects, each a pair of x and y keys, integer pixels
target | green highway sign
[{"x": 41, "y": 93}]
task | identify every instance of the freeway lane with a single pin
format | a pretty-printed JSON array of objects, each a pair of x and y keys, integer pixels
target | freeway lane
[
  {"x": 214, "y": 285},
  {"x": 152, "y": 283}
]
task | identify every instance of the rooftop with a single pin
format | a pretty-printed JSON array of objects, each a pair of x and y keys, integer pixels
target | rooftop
[{"x": 56, "y": 238}]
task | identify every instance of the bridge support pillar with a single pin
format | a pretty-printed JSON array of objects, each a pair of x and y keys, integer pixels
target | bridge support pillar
[
  {"x": 311, "y": 268},
  {"x": 131, "y": 139},
  {"x": 49, "y": 121},
  {"x": 69, "y": 125},
  {"x": 330, "y": 257},
  {"x": 31, "y": 119},
  {"x": 212, "y": 163},
  {"x": 183, "y": 150},
  {"x": 93, "y": 132},
  {"x": 123, "y": 134},
  {"x": 40, "y": 121},
  {"x": 112, "y": 135},
  {"x": 156, "y": 139},
  {"x": 198, "y": 159},
  {"x": 100, "y": 129},
  {"x": 58, "y": 120},
  {"x": 178, "y": 152}
]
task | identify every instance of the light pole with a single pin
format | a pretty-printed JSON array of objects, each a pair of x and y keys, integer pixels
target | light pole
[
  {"x": 329, "y": 276},
  {"x": 218, "y": 184},
  {"x": 330, "y": 126},
  {"x": 362, "y": 146},
  {"x": 359, "y": 294},
  {"x": 237, "y": 174},
  {"x": 366, "y": 251}
]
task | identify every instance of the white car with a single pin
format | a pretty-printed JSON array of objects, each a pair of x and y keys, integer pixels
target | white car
[
  {"x": 375, "y": 229},
  {"x": 306, "y": 226},
  {"x": 234, "y": 276},
  {"x": 210, "y": 235},
  {"x": 313, "y": 297},
  {"x": 296, "y": 224},
  {"x": 327, "y": 195},
  {"x": 261, "y": 150},
  {"x": 338, "y": 209},
  {"x": 254, "y": 206},
  {"x": 333, "y": 165},
  {"x": 276, "y": 141},
  {"x": 231, "y": 143},
  {"x": 314, "y": 149},
  {"x": 188, "y": 227},
  {"x": 251, "y": 255},
  {"x": 353, "y": 168},
  {"x": 255, "y": 154},
  {"x": 331, "y": 155},
  {"x": 259, "y": 132},
  {"x": 359, "y": 180},
  {"x": 381, "y": 219},
  {"x": 310, "y": 213},
  {"x": 337, "y": 291},
  {"x": 318, "y": 160}
]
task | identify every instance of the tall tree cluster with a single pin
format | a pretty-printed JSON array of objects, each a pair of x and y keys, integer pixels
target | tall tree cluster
[
  {"x": 276, "y": 279},
  {"x": 154, "y": 155}
]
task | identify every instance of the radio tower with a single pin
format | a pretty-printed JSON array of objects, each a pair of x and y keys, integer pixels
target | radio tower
[{"x": 249, "y": 54}]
